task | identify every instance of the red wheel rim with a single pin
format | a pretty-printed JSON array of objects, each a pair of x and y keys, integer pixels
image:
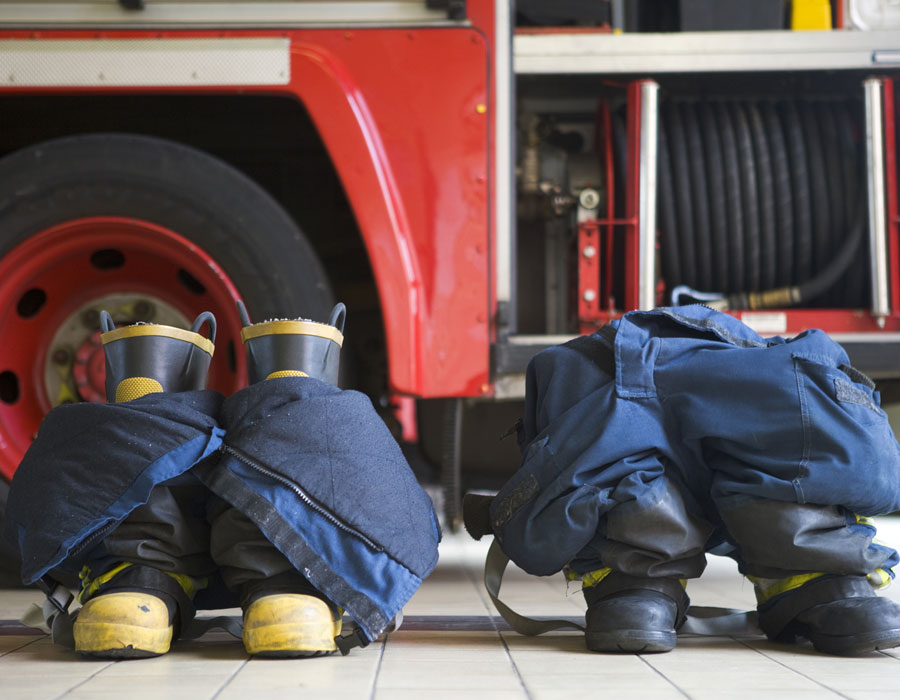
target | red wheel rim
[{"x": 62, "y": 270}]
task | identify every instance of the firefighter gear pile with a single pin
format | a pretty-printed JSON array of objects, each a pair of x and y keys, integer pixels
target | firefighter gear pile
[
  {"x": 680, "y": 431},
  {"x": 289, "y": 498}
]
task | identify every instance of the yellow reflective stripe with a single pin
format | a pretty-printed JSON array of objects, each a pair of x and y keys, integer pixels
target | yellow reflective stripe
[
  {"x": 879, "y": 578},
  {"x": 287, "y": 373},
  {"x": 189, "y": 584},
  {"x": 768, "y": 588},
  {"x": 90, "y": 586},
  {"x": 132, "y": 388},
  {"x": 320, "y": 330},
  {"x": 159, "y": 331},
  {"x": 591, "y": 578},
  {"x": 865, "y": 520}
]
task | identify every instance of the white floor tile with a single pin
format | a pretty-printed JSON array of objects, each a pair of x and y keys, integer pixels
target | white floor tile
[{"x": 454, "y": 645}]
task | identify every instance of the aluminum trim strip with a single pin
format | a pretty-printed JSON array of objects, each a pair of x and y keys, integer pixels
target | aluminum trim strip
[
  {"x": 556, "y": 339},
  {"x": 244, "y": 14},
  {"x": 144, "y": 62},
  {"x": 873, "y": 337},
  {"x": 689, "y": 52}
]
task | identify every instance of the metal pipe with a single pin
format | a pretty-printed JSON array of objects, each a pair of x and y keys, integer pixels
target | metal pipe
[
  {"x": 618, "y": 16},
  {"x": 504, "y": 133},
  {"x": 878, "y": 259},
  {"x": 647, "y": 196}
]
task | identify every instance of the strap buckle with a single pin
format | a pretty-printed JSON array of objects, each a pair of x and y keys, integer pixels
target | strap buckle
[
  {"x": 57, "y": 594},
  {"x": 355, "y": 638}
]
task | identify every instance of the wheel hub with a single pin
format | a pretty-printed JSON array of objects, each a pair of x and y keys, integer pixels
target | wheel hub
[
  {"x": 75, "y": 368},
  {"x": 53, "y": 286}
]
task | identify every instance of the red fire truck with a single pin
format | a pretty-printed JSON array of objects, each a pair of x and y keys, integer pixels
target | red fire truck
[{"x": 475, "y": 181}]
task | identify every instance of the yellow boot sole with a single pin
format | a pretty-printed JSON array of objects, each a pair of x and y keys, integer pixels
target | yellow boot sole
[
  {"x": 290, "y": 624},
  {"x": 123, "y": 625}
]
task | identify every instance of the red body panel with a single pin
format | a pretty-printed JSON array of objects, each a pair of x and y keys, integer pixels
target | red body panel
[{"x": 412, "y": 150}]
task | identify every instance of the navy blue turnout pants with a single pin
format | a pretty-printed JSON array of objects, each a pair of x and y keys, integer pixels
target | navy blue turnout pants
[{"x": 676, "y": 432}]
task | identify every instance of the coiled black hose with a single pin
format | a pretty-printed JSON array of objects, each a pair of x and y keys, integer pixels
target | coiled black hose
[
  {"x": 763, "y": 200},
  {"x": 712, "y": 148},
  {"x": 801, "y": 294}
]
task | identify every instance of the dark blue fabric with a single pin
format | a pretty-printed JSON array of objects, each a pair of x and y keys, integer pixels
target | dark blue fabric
[
  {"x": 700, "y": 400},
  {"x": 330, "y": 486},
  {"x": 92, "y": 464},
  {"x": 324, "y": 459},
  {"x": 332, "y": 445}
]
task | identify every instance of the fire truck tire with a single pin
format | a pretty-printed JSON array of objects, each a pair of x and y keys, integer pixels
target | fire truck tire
[
  {"x": 9, "y": 563},
  {"x": 86, "y": 217}
]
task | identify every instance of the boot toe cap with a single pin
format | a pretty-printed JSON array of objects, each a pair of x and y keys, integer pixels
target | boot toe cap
[
  {"x": 290, "y": 624},
  {"x": 122, "y": 625}
]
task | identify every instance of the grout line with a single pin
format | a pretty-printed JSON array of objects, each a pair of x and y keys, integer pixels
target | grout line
[
  {"x": 230, "y": 678},
  {"x": 643, "y": 658},
  {"x": 90, "y": 677},
  {"x": 12, "y": 651},
  {"x": 790, "y": 668},
  {"x": 378, "y": 666},
  {"x": 512, "y": 663},
  {"x": 491, "y": 616}
]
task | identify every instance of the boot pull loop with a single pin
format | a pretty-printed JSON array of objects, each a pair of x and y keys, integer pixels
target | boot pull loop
[
  {"x": 205, "y": 317},
  {"x": 338, "y": 316},
  {"x": 106, "y": 322},
  {"x": 242, "y": 312}
]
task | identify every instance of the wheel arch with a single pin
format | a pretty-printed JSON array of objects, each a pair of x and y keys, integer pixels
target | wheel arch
[
  {"x": 91, "y": 222},
  {"x": 400, "y": 265},
  {"x": 339, "y": 109}
]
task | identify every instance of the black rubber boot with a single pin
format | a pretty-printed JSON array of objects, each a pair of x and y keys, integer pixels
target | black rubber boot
[
  {"x": 635, "y": 615},
  {"x": 839, "y": 614},
  {"x": 148, "y": 358},
  {"x": 295, "y": 348}
]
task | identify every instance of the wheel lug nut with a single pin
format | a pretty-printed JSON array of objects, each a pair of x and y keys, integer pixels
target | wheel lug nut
[
  {"x": 61, "y": 356},
  {"x": 91, "y": 318},
  {"x": 143, "y": 310}
]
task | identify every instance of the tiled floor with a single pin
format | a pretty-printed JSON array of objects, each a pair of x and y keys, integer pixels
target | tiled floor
[{"x": 452, "y": 645}]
